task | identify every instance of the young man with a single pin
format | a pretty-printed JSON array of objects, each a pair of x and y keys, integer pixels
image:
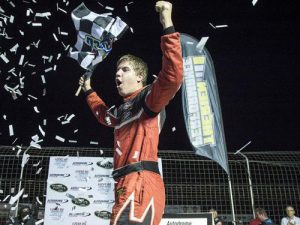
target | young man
[
  {"x": 291, "y": 219},
  {"x": 139, "y": 189},
  {"x": 263, "y": 217}
]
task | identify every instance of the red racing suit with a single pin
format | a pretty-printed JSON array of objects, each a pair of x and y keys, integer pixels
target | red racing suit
[{"x": 140, "y": 196}]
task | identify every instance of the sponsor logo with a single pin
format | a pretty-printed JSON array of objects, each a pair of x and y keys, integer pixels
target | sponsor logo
[
  {"x": 59, "y": 187},
  {"x": 54, "y": 201},
  {"x": 103, "y": 201},
  {"x": 81, "y": 188},
  {"x": 104, "y": 187},
  {"x": 80, "y": 202},
  {"x": 79, "y": 223},
  {"x": 60, "y": 162},
  {"x": 56, "y": 175},
  {"x": 82, "y": 214},
  {"x": 82, "y": 163},
  {"x": 105, "y": 164},
  {"x": 103, "y": 214}
]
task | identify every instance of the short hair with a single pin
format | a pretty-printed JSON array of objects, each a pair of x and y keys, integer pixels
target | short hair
[
  {"x": 139, "y": 66},
  {"x": 261, "y": 211}
]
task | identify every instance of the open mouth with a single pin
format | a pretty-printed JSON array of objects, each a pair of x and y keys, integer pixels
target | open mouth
[{"x": 118, "y": 83}]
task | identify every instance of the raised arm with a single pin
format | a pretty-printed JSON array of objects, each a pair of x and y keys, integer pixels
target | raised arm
[
  {"x": 96, "y": 104},
  {"x": 170, "y": 77}
]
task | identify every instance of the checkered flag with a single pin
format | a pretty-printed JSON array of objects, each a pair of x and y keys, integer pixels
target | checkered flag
[{"x": 95, "y": 36}]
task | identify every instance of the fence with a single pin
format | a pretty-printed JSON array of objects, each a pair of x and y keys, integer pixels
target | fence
[{"x": 193, "y": 183}]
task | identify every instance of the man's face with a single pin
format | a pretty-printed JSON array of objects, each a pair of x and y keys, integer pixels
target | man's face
[
  {"x": 290, "y": 211},
  {"x": 127, "y": 81}
]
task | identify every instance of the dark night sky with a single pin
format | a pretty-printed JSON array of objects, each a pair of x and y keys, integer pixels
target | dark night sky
[{"x": 255, "y": 58}]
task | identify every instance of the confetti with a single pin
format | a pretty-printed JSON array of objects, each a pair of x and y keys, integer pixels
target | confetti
[
  {"x": 109, "y": 8},
  {"x": 118, "y": 151},
  {"x": 21, "y": 60},
  {"x": 94, "y": 143},
  {"x": 36, "y": 109},
  {"x": 36, "y": 24},
  {"x": 15, "y": 198},
  {"x": 5, "y": 198},
  {"x": 39, "y": 170},
  {"x": 201, "y": 44},
  {"x": 14, "y": 48},
  {"x": 39, "y": 222},
  {"x": 49, "y": 69},
  {"x": 11, "y": 130},
  {"x": 72, "y": 141},
  {"x": 25, "y": 196},
  {"x": 254, "y": 2},
  {"x": 3, "y": 57},
  {"x": 38, "y": 200},
  {"x": 59, "y": 138},
  {"x": 221, "y": 26},
  {"x": 55, "y": 37},
  {"x": 42, "y": 131},
  {"x": 126, "y": 8},
  {"x": 173, "y": 129}
]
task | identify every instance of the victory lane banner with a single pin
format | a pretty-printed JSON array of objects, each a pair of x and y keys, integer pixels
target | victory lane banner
[{"x": 80, "y": 190}]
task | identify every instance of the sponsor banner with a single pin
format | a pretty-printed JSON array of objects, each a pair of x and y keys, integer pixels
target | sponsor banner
[
  {"x": 187, "y": 219},
  {"x": 80, "y": 190}
]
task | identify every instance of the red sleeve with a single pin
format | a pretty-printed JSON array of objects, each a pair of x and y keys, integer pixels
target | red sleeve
[
  {"x": 170, "y": 77},
  {"x": 100, "y": 110}
]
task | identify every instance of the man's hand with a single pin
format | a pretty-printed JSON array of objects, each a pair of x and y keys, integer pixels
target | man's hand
[
  {"x": 164, "y": 9},
  {"x": 85, "y": 83}
]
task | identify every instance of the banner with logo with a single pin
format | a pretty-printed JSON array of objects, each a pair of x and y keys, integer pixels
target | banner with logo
[
  {"x": 80, "y": 191},
  {"x": 201, "y": 104}
]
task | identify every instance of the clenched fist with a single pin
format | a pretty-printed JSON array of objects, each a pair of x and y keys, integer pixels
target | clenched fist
[
  {"x": 85, "y": 83},
  {"x": 164, "y": 9}
]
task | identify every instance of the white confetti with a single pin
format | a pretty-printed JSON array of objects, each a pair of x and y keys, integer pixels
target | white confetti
[
  {"x": 21, "y": 32},
  {"x": 109, "y": 8},
  {"x": 36, "y": 24},
  {"x": 43, "y": 79},
  {"x": 44, "y": 122},
  {"x": 58, "y": 56},
  {"x": 12, "y": 190},
  {"x": 189, "y": 42},
  {"x": 3, "y": 57},
  {"x": 36, "y": 164},
  {"x": 131, "y": 29},
  {"x": 38, "y": 200},
  {"x": 21, "y": 60},
  {"x": 31, "y": 96},
  {"x": 59, "y": 138},
  {"x": 5, "y": 198},
  {"x": 14, "y": 48},
  {"x": 173, "y": 129},
  {"x": 25, "y": 196},
  {"x": 28, "y": 12},
  {"x": 15, "y": 198},
  {"x": 118, "y": 151},
  {"x": 1, "y": 191},
  {"x": 45, "y": 14},
  {"x": 254, "y": 2},
  {"x": 39, "y": 170},
  {"x": 126, "y": 8},
  {"x": 55, "y": 37},
  {"x": 75, "y": 131},
  {"x": 72, "y": 141},
  {"x": 39, "y": 222},
  {"x": 36, "y": 109},
  {"x": 221, "y": 26},
  {"x": 64, "y": 33},
  {"x": 42, "y": 131},
  {"x": 201, "y": 44},
  {"x": 11, "y": 130},
  {"x": 94, "y": 143},
  {"x": 11, "y": 19},
  {"x": 49, "y": 69}
]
